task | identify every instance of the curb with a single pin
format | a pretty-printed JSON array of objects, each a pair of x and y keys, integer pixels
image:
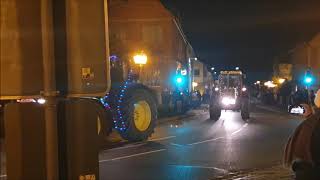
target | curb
[{"x": 271, "y": 108}]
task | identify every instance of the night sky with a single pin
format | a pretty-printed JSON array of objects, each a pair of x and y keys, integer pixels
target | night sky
[{"x": 246, "y": 33}]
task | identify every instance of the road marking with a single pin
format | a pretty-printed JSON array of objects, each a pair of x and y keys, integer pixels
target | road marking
[
  {"x": 125, "y": 147},
  {"x": 239, "y": 130},
  {"x": 178, "y": 145},
  {"x": 215, "y": 139},
  {"x": 133, "y": 155},
  {"x": 205, "y": 141},
  {"x": 139, "y": 144},
  {"x": 163, "y": 138}
]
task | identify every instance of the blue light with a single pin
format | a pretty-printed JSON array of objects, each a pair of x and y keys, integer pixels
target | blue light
[
  {"x": 308, "y": 80},
  {"x": 179, "y": 80}
]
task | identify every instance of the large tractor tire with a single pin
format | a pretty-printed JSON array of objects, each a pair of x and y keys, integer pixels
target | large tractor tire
[
  {"x": 245, "y": 109},
  {"x": 138, "y": 115},
  {"x": 104, "y": 125},
  {"x": 215, "y": 112}
]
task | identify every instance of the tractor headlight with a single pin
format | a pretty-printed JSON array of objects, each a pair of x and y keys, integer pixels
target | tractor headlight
[{"x": 228, "y": 101}]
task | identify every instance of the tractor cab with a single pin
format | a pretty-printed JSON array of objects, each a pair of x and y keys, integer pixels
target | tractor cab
[{"x": 230, "y": 86}]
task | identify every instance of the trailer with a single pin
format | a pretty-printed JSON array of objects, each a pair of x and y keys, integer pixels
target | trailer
[{"x": 130, "y": 84}]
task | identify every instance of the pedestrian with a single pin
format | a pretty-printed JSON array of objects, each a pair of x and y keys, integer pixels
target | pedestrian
[
  {"x": 312, "y": 97},
  {"x": 302, "y": 152},
  {"x": 301, "y": 96}
]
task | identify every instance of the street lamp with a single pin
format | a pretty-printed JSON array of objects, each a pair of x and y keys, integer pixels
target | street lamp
[
  {"x": 237, "y": 68},
  {"x": 212, "y": 68},
  {"x": 194, "y": 84},
  {"x": 270, "y": 84},
  {"x": 281, "y": 80},
  {"x": 140, "y": 59},
  {"x": 191, "y": 64}
]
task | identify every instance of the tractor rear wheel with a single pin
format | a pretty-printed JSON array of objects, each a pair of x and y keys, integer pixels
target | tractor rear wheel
[
  {"x": 137, "y": 115},
  {"x": 245, "y": 111},
  {"x": 215, "y": 113}
]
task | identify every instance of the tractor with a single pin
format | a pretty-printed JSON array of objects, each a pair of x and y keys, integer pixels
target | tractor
[{"x": 230, "y": 94}]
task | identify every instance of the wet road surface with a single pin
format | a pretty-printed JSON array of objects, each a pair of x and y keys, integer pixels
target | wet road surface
[{"x": 199, "y": 148}]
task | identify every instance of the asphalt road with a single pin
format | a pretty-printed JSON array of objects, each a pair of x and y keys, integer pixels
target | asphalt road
[{"x": 199, "y": 148}]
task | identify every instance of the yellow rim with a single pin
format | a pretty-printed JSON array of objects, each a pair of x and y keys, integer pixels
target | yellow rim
[{"x": 142, "y": 115}]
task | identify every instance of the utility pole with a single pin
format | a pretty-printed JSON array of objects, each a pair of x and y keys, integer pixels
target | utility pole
[{"x": 50, "y": 92}]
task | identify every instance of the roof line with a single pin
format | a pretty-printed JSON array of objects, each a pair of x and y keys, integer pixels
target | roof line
[{"x": 182, "y": 33}]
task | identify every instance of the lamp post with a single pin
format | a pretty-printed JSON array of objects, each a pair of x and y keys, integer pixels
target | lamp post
[{"x": 191, "y": 79}]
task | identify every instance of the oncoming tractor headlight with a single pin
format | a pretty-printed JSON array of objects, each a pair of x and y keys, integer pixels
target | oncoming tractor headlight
[{"x": 228, "y": 101}]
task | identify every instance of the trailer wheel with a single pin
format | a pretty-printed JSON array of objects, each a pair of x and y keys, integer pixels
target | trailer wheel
[
  {"x": 215, "y": 113},
  {"x": 104, "y": 125},
  {"x": 139, "y": 115}
]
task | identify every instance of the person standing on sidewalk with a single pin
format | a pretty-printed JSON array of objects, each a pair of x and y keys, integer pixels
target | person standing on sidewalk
[{"x": 302, "y": 152}]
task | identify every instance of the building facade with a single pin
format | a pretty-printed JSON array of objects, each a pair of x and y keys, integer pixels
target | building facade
[
  {"x": 147, "y": 26},
  {"x": 306, "y": 56},
  {"x": 202, "y": 78}
]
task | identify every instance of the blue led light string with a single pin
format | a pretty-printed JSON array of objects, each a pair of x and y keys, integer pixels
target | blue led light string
[{"x": 118, "y": 119}]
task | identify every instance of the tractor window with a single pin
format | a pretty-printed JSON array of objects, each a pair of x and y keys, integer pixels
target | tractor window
[
  {"x": 196, "y": 72},
  {"x": 223, "y": 81},
  {"x": 230, "y": 81},
  {"x": 234, "y": 81}
]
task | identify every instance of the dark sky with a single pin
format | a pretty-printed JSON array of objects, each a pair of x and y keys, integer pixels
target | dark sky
[{"x": 246, "y": 33}]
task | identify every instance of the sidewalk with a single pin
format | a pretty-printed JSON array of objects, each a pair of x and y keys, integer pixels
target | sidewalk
[
  {"x": 275, "y": 107},
  {"x": 272, "y": 108},
  {"x": 277, "y": 172}
]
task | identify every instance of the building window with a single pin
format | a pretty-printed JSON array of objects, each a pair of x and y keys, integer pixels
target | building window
[
  {"x": 152, "y": 34},
  {"x": 117, "y": 2},
  {"x": 119, "y": 35},
  {"x": 196, "y": 72}
]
